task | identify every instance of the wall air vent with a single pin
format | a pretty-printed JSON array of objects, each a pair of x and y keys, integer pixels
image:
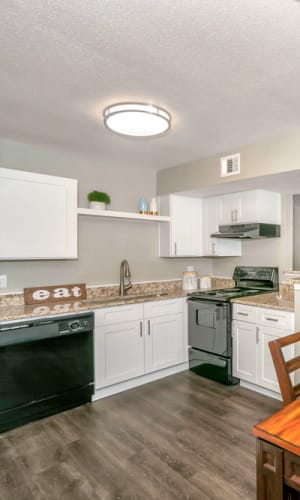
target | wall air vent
[{"x": 230, "y": 165}]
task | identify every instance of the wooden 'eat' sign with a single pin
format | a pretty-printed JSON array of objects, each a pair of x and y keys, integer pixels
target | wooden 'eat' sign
[{"x": 58, "y": 293}]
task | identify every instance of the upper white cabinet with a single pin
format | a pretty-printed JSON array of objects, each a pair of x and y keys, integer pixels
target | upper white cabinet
[
  {"x": 183, "y": 236},
  {"x": 249, "y": 206},
  {"x": 38, "y": 216},
  {"x": 215, "y": 247}
]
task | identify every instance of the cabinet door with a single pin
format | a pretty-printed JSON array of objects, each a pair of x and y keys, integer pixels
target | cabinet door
[
  {"x": 229, "y": 209},
  {"x": 215, "y": 247},
  {"x": 38, "y": 216},
  {"x": 164, "y": 342},
  {"x": 244, "y": 350},
  {"x": 183, "y": 237},
  {"x": 186, "y": 226},
  {"x": 266, "y": 375},
  {"x": 119, "y": 352}
]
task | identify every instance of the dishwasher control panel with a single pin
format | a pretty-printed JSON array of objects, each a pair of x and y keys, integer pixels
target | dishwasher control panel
[{"x": 77, "y": 324}]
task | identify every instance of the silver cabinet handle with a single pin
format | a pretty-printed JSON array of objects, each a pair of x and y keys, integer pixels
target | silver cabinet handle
[
  {"x": 149, "y": 327},
  {"x": 175, "y": 248},
  {"x": 236, "y": 215},
  {"x": 257, "y": 335},
  {"x": 232, "y": 216},
  {"x": 213, "y": 248},
  {"x": 272, "y": 319},
  {"x": 141, "y": 328},
  {"x": 243, "y": 314}
]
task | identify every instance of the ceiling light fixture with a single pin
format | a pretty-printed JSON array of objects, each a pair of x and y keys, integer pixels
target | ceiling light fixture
[{"x": 137, "y": 119}]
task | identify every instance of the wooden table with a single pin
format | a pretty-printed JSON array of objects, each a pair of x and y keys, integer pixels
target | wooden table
[{"x": 278, "y": 455}]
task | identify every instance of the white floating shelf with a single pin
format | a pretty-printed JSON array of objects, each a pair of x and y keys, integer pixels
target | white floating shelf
[{"x": 122, "y": 215}]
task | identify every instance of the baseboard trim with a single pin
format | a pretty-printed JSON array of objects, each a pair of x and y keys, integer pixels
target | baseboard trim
[
  {"x": 261, "y": 390},
  {"x": 145, "y": 379}
]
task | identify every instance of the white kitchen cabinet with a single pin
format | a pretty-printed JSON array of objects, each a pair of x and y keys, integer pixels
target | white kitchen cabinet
[
  {"x": 216, "y": 247},
  {"x": 244, "y": 350},
  {"x": 119, "y": 352},
  {"x": 164, "y": 342},
  {"x": 38, "y": 216},
  {"x": 249, "y": 206},
  {"x": 137, "y": 339},
  {"x": 252, "y": 361},
  {"x": 183, "y": 236}
]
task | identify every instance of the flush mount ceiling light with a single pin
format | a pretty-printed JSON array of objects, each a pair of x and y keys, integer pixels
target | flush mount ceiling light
[{"x": 137, "y": 119}]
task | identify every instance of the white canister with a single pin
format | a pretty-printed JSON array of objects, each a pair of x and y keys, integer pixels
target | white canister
[
  {"x": 190, "y": 280},
  {"x": 205, "y": 281}
]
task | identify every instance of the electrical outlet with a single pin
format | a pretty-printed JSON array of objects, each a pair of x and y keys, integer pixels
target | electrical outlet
[{"x": 3, "y": 281}]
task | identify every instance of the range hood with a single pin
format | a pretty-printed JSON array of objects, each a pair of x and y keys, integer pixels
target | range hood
[{"x": 254, "y": 231}]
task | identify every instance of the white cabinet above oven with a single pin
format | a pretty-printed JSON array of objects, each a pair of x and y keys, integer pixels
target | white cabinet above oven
[{"x": 249, "y": 207}]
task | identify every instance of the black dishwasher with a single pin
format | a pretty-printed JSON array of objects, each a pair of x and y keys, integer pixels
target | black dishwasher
[{"x": 46, "y": 366}]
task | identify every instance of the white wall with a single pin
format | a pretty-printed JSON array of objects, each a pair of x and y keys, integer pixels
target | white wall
[{"x": 102, "y": 243}]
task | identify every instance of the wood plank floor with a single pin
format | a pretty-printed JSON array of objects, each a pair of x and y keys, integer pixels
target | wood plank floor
[{"x": 183, "y": 437}]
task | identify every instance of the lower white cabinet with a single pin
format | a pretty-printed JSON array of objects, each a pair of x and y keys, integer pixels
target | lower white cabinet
[
  {"x": 252, "y": 361},
  {"x": 119, "y": 353},
  {"x": 164, "y": 342},
  {"x": 137, "y": 339}
]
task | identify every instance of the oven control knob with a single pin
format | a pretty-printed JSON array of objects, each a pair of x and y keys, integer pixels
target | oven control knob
[{"x": 75, "y": 325}]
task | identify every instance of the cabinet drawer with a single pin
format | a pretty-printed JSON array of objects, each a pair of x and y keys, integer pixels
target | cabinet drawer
[
  {"x": 118, "y": 314},
  {"x": 276, "y": 318},
  {"x": 245, "y": 313},
  {"x": 291, "y": 470},
  {"x": 162, "y": 307}
]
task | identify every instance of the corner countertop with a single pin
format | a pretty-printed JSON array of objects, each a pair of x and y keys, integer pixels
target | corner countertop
[
  {"x": 18, "y": 312},
  {"x": 268, "y": 300}
]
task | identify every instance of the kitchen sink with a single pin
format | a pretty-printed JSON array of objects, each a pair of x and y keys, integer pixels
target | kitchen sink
[{"x": 127, "y": 298}]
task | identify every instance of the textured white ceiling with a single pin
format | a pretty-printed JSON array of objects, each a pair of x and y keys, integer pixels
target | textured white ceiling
[{"x": 228, "y": 71}]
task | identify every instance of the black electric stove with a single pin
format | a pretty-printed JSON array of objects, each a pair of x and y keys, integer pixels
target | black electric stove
[
  {"x": 248, "y": 281},
  {"x": 210, "y": 314}
]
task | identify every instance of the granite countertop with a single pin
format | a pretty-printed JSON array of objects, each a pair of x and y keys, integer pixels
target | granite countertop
[
  {"x": 18, "y": 312},
  {"x": 269, "y": 300}
]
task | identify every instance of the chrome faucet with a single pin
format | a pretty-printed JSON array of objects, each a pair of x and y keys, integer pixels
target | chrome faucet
[{"x": 124, "y": 275}]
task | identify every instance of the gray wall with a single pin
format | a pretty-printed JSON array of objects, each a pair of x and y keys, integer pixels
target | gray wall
[
  {"x": 102, "y": 243},
  {"x": 276, "y": 155}
]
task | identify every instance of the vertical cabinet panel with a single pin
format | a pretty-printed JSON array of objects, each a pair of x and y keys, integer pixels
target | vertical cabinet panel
[
  {"x": 266, "y": 375},
  {"x": 38, "y": 216},
  {"x": 216, "y": 247},
  {"x": 183, "y": 236},
  {"x": 164, "y": 342},
  {"x": 244, "y": 350},
  {"x": 119, "y": 353}
]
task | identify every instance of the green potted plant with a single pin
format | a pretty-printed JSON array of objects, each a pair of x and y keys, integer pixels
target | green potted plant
[{"x": 98, "y": 200}]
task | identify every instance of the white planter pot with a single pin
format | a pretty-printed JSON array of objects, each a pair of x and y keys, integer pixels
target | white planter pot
[{"x": 97, "y": 205}]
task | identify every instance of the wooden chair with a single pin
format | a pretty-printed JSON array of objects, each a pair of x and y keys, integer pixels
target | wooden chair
[{"x": 284, "y": 368}]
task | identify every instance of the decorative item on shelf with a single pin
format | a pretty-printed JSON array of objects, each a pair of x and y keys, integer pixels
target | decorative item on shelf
[
  {"x": 153, "y": 207},
  {"x": 143, "y": 206},
  {"x": 98, "y": 200}
]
